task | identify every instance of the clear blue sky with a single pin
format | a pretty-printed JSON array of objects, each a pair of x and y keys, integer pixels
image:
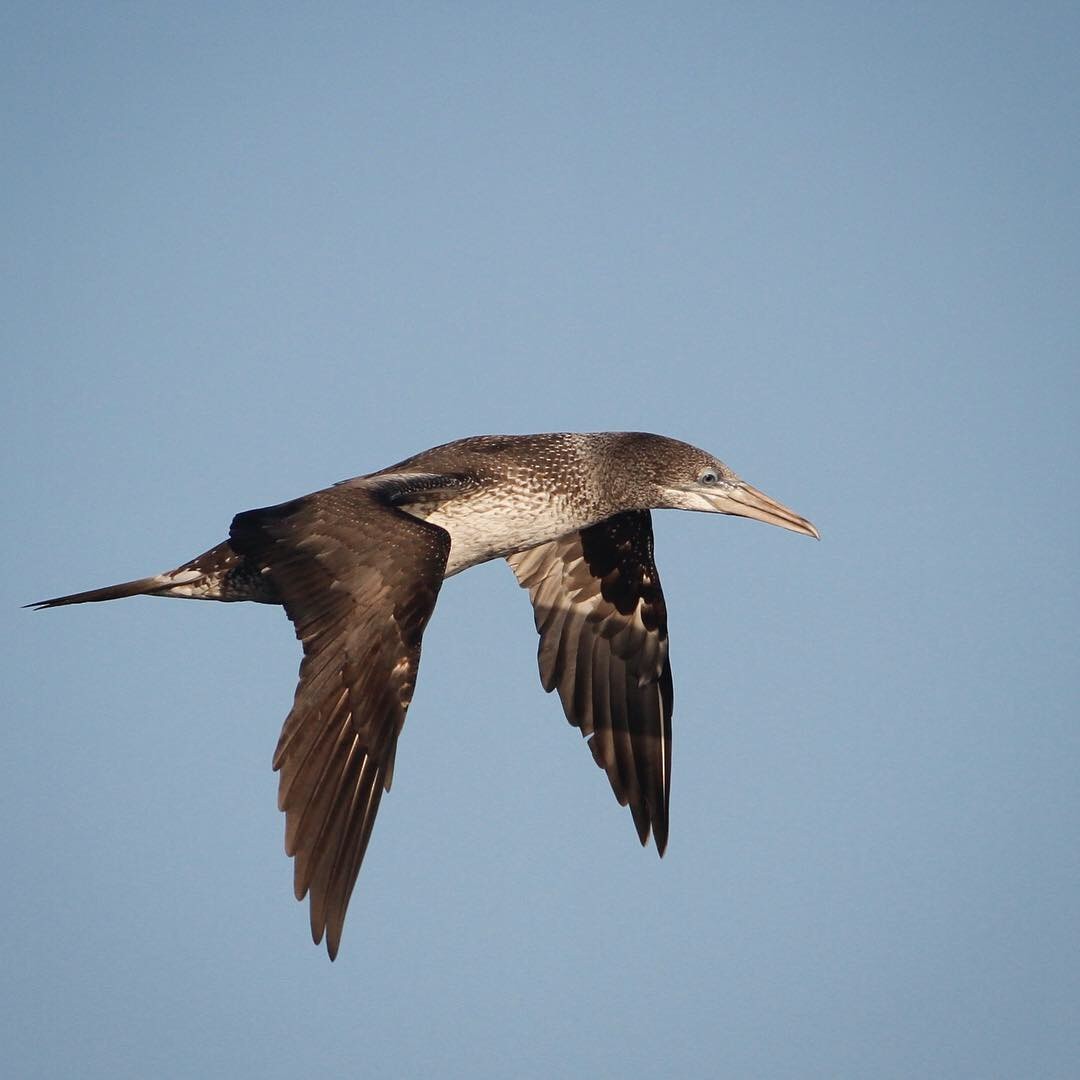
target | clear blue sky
[{"x": 250, "y": 250}]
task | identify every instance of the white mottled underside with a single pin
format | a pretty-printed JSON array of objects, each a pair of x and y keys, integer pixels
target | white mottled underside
[
  {"x": 189, "y": 585},
  {"x": 490, "y": 524}
]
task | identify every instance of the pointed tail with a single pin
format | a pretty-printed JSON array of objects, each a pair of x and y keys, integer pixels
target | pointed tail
[
  {"x": 218, "y": 574},
  {"x": 148, "y": 586}
]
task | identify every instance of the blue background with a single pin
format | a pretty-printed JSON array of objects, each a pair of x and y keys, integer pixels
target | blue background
[{"x": 252, "y": 250}]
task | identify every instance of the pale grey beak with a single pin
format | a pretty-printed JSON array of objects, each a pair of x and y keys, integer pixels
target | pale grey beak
[{"x": 746, "y": 501}]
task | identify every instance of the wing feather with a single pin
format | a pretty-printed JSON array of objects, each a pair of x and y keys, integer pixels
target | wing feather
[
  {"x": 600, "y": 613},
  {"x": 359, "y": 578}
]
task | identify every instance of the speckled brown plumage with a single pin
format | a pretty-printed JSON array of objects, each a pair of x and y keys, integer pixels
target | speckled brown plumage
[{"x": 358, "y": 567}]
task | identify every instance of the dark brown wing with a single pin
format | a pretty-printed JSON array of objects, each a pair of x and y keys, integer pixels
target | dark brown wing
[
  {"x": 603, "y": 645},
  {"x": 358, "y": 578}
]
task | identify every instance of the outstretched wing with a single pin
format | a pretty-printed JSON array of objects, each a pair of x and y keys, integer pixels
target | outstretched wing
[
  {"x": 358, "y": 578},
  {"x": 603, "y": 645}
]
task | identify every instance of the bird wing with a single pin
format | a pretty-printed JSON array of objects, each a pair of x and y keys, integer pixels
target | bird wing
[
  {"x": 602, "y": 622},
  {"x": 358, "y": 577}
]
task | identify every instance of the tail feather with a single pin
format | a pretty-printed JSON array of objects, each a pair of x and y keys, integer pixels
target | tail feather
[
  {"x": 143, "y": 587},
  {"x": 218, "y": 574}
]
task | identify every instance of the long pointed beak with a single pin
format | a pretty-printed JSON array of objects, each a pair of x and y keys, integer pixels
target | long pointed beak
[{"x": 746, "y": 501}]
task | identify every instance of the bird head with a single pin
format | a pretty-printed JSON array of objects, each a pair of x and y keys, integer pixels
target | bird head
[{"x": 682, "y": 477}]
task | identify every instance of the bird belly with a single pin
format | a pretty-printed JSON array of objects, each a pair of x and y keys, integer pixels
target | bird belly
[{"x": 492, "y": 524}]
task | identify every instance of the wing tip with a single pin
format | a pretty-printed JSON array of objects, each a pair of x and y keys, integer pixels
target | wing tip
[
  {"x": 332, "y": 944},
  {"x": 646, "y": 825}
]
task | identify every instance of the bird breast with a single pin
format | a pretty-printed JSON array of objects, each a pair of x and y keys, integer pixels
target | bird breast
[{"x": 492, "y": 522}]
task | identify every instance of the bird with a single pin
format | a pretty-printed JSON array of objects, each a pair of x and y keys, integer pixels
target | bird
[{"x": 357, "y": 566}]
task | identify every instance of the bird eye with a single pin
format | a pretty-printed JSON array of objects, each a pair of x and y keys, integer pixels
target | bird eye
[{"x": 709, "y": 476}]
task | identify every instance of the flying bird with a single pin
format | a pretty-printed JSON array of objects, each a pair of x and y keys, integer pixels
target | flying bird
[{"x": 358, "y": 566}]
